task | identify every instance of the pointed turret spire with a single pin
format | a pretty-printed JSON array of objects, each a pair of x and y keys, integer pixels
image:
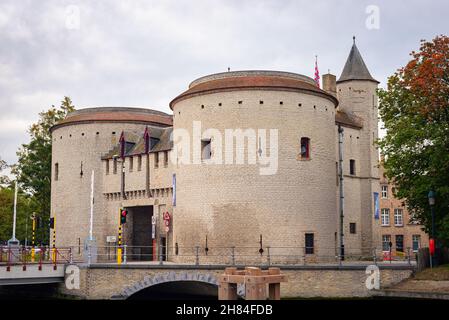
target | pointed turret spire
[{"x": 355, "y": 68}]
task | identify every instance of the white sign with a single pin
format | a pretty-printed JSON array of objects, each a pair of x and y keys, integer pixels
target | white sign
[
  {"x": 111, "y": 239},
  {"x": 153, "y": 231},
  {"x": 72, "y": 277},
  {"x": 373, "y": 279},
  {"x": 153, "y": 220},
  {"x": 167, "y": 229}
]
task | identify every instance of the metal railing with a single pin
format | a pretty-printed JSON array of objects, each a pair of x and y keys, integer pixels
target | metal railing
[
  {"x": 200, "y": 255},
  {"x": 26, "y": 255},
  {"x": 256, "y": 255}
]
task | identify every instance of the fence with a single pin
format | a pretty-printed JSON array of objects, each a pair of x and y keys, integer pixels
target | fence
[
  {"x": 25, "y": 255},
  {"x": 253, "y": 255},
  {"x": 197, "y": 255},
  {"x": 423, "y": 257}
]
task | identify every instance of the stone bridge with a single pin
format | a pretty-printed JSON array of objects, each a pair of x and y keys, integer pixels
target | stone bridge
[{"x": 109, "y": 281}]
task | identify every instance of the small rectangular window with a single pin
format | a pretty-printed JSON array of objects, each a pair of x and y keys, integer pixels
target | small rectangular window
[
  {"x": 384, "y": 192},
  {"x": 131, "y": 163},
  {"x": 139, "y": 162},
  {"x": 309, "y": 243},
  {"x": 206, "y": 150},
  {"x": 156, "y": 159},
  {"x": 416, "y": 242},
  {"x": 165, "y": 159},
  {"x": 352, "y": 228},
  {"x": 305, "y": 148},
  {"x": 399, "y": 243},
  {"x": 56, "y": 171},
  {"x": 115, "y": 166},
  {"x": 398, "y": 217},
  {"x": 385, "y": 217},
  {"x": 352, "y": 167},
  {"x": 107, "y": 166}
]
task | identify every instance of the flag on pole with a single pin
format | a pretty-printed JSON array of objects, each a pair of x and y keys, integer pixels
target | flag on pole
[{"x": 317, "y": 73}]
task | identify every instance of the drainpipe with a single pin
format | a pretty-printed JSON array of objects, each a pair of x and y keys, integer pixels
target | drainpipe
[{"x": 340, "y": 169}]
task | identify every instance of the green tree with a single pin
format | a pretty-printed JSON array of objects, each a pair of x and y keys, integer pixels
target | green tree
[
  {"x": 4, "y": 179},
  {"x": 25, "y": 207},
  {"x": 415, "y": 111},
  {"x": 34, "y": 160}
]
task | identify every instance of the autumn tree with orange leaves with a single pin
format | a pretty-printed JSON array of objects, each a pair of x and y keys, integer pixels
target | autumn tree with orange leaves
[{"x": 415, "y": 112}]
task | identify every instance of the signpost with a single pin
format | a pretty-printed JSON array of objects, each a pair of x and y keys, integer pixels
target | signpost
[
  {"x": 33, "y": 236},
  {"x": 90, "y": 245},
  {"x": 153, "y": 235},
  {"x": 167, "y": 221}
]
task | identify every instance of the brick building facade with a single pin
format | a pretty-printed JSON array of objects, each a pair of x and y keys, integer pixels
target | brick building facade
[{"x": 395, "y": 224}]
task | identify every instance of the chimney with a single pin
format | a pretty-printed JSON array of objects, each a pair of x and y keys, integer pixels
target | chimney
[{"x": 330, "y": 84}]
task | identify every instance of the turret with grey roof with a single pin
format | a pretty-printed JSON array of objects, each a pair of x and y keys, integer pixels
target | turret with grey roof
[{"x": 355, "y": 68}]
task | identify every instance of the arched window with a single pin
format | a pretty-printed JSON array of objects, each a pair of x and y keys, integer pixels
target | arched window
[{"x": 305, "y": 148}]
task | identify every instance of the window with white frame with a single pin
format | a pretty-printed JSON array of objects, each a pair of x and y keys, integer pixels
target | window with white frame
[
  {"x": 386, "y": 239},
  {"x": 385, "y": 217},
  {"x": 384, "y": 192},
  {"x": 398, "y": 217},
  {"x": 416, "y": 242}
]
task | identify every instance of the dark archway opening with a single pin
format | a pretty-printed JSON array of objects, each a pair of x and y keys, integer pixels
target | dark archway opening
[
  {"x": 178, "y": 290},
  {"x": 138, "y": 234}
]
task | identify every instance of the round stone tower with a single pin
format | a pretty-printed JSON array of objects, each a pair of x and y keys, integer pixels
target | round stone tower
[
  {"x": 79, "y": 141},
  {"x": 260, "y": 171}
]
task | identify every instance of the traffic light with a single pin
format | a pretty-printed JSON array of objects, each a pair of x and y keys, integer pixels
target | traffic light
[
  {"x": 38, "y": 222},
  {"x": 123, "y": 215}
]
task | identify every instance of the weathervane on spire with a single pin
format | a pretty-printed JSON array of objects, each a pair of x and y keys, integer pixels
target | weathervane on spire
[{"x": 353, "y": 39}]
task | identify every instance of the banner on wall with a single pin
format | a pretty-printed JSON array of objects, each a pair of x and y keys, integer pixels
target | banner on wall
[
  {"x": 174, "y": 189},
  {"x": 376, "y": 205}
]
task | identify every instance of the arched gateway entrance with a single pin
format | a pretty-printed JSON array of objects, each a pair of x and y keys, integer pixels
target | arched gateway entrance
[{"x": 172, "y": 286}]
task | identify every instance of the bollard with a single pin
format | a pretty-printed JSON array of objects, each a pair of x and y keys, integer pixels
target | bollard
[
  {"x": 24, "y": 258},
  {"x": 40, "y": 259},
  {"x": 197, "y": 258},
  {"x": 124, "y": 254}
]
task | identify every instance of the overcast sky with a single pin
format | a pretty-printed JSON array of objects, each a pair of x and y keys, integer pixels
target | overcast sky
[{"x": 144, "y": 53}]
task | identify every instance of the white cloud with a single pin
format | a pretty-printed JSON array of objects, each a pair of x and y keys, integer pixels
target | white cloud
[{"x": 13, "y": 125}]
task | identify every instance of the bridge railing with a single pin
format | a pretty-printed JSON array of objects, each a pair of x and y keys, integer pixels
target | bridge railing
[
  {"x": 27, "y": 255},
  {"x": 243, "y": 255}
]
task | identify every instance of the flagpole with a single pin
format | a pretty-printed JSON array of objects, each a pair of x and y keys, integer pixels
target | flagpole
[
  {"x": 91, "y": 206},
  {"x": 15, "y": 214}
]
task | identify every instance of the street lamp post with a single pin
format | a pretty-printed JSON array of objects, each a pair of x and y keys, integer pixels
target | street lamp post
[{"x": 431, "y": 197}]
